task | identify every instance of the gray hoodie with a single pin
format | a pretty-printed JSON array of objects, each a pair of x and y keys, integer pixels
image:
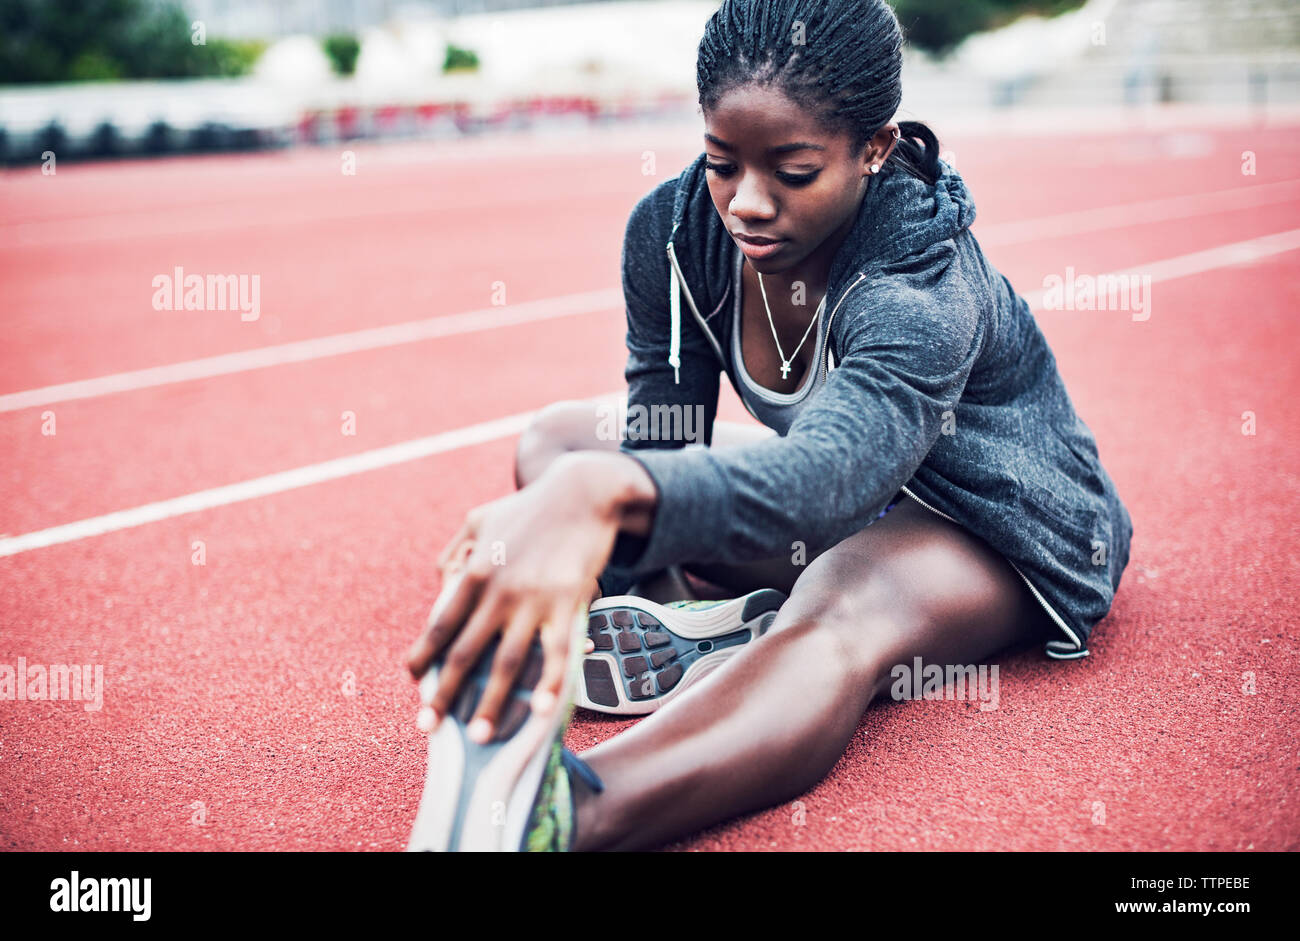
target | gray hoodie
[{"x": 938, "y": 383}]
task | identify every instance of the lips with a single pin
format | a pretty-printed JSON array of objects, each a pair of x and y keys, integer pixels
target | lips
[{"x": 756, "y": 239}]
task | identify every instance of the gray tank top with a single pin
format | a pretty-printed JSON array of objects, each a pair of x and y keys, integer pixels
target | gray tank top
[{"x": 777, "y": 410}]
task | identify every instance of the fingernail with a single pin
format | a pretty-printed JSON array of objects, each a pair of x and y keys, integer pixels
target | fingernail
[
  {"x": 480, "y": 730},
  {"x": 426, "y": 720},
  {"x": 543, "y": 701}
]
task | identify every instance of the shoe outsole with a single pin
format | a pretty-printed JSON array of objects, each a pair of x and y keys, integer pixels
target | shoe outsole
[
  {"x": 479, "y": 797},
  {"x": 647, "y": 653}
]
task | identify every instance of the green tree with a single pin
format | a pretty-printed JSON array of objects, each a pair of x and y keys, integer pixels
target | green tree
[
  {"x": 458, "y": 59},
  {"x": 86, "y": 40},
  {"x": 937, "y": 26},
  {"x": 342, "y": 49}
]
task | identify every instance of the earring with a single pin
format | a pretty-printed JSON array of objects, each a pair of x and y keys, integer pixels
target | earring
[{"x": 875, "y": 168}]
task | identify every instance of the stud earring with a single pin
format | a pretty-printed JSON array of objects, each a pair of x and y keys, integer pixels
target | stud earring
[{"x": 875, "y": 168}]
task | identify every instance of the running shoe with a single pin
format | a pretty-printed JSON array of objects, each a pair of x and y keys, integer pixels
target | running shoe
[
  {"x": 647, "y": 653},
  {"x": 515, "y": 792}
]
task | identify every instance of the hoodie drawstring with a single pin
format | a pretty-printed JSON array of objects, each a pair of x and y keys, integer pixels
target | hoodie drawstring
[{"x": 675, "y": 307}]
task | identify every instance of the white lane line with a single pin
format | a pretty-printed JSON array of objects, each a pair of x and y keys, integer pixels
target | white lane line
[
  {"x": 1070, "y": 223},
  {"x": 270, "y": 484},
  {"x": 488, "y": 318},
  {"x": 1224, "y": 256},
  {"x": 1135, "y": 214}
]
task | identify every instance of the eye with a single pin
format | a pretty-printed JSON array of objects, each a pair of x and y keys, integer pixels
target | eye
[
  {"x": 790, "y": 179},
  {"x": 793, "y": 179}
]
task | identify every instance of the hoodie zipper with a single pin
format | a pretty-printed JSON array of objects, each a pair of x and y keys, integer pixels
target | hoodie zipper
[{"x": 826, "y": 360}]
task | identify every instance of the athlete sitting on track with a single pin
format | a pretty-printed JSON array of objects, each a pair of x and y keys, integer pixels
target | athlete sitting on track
[{"x": 923, "y": 488}]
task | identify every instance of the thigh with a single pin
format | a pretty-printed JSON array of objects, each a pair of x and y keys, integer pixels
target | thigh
[{"x": 915, "y": 584}]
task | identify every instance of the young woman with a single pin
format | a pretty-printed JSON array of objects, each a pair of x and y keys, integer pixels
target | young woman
[{"x": 923, "y": 488}]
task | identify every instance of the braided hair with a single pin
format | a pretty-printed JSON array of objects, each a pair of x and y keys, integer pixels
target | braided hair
[{"x": 839, "y": 60}]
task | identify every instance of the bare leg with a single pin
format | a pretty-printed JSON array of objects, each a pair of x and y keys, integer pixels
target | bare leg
[
  {"x": 572, "y": 426},
  {"x": 771, "y": 722}
]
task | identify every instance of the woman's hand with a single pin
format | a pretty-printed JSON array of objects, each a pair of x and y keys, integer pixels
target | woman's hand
[{"x": 525, "y": 563}]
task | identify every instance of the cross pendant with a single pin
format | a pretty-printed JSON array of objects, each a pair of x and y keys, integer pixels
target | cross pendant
[{"x": 785, "y": 370}]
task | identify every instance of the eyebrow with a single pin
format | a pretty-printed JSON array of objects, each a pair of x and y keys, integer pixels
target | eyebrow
[{"x": 781, "y": 149}]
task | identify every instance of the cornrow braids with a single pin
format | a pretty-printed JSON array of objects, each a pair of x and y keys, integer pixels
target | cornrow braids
[{"x": 840, "y": 60}]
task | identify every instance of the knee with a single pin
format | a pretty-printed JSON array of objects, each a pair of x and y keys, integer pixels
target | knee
[
  {"x": 554, "y": 430},
  {"x": 828, "y": 649},
  {"x": 857, "y": 627}
]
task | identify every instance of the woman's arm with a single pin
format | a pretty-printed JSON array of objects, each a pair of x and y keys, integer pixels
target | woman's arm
[
  {"x": 910, "y": 341},
  {"x": 620, "y": 483},
  {"x": 526, "y": 563}
]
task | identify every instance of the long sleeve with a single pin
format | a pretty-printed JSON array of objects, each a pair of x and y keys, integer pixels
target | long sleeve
[
  {"x": 666, "y": 408},
  {"x": 911, "y": 338}
]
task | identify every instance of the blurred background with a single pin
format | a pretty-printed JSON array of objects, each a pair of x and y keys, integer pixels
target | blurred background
[{"x": 112, "y": 77}]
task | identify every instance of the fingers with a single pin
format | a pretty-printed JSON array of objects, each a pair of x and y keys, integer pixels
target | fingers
[
  {"x": 454, "y": 559},
  {"x": 457, "y": 598},
  {"x": 556, "y": 636},
  {"x": 464, "y": 652},
  {"x": 511, "y": 655},
  {"x": 455, "y": 547},
  {"x": 452, "y": 544}
]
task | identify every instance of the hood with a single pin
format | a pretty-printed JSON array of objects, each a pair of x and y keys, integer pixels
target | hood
[{"x": 899, "y": 216}]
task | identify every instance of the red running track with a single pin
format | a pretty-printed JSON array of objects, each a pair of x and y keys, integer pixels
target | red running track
[{"x": 226, "y": 722}]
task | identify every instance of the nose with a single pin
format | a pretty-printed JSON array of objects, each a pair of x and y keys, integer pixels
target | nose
[{"x": 750, "y": 201}]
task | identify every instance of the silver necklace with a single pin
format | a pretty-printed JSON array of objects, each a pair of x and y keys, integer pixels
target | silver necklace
[{"x": 785, "y": 363}]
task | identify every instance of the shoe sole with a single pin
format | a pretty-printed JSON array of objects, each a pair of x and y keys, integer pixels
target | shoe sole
[
  {"x": 648, "y": 654},
  {"x": 479, "y": 798}
]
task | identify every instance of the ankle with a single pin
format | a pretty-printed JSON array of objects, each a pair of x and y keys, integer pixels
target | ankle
[{"x": 586, "y": 823}]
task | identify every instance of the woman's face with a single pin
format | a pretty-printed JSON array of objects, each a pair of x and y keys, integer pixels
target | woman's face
[{"x": 774, "y": 173}]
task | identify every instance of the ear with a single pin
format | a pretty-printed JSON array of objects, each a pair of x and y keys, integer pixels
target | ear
[
  {"x": 892, "y": 135},
  {"x": 879, "y": 148}
]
